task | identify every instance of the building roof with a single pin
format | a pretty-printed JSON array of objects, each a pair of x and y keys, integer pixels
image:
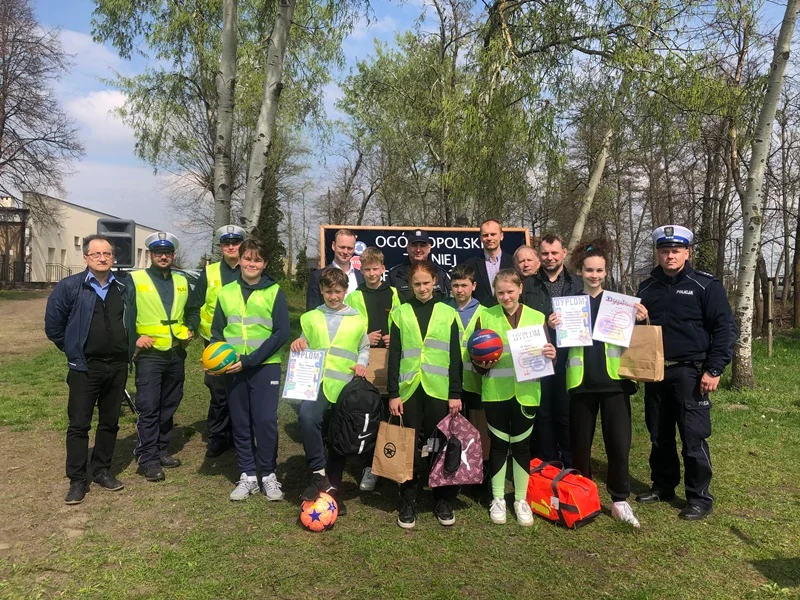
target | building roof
[{"x": 97, "y": 212}]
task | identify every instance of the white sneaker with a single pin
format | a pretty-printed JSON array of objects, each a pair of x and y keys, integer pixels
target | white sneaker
[
  {"x": 524, "y": 514},
  {"x": 245, "y": 488},
  {"x": 622, "y": 511},
  {"x": 368, "y": 480},
  {"x": 497, "y": 511},
  {"x": 272, "y": 487}
]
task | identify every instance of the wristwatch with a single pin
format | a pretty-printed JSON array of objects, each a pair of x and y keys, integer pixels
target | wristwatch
[{"x": 714, "y": 372}]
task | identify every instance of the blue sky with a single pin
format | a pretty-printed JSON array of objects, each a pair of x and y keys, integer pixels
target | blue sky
[{"x": 110, "y": 178}]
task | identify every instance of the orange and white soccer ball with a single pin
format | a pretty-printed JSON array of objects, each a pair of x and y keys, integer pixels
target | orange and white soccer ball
[{"x": 319, "y": 514}]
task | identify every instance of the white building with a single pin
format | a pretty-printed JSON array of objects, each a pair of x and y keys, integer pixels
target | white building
[{"x": 53, "y": 244}]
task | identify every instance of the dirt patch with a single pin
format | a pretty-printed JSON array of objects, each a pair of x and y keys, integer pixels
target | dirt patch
[{"x": 22, "y": 330}]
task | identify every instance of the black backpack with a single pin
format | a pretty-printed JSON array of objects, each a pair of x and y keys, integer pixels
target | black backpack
[{"x": 353, "y": 427}]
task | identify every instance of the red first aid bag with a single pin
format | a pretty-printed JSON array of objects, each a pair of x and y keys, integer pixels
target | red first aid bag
[{"x": 562, "y": 495}]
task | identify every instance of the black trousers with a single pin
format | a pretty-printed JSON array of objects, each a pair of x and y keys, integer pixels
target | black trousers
[
  {"x": 159, "y": 391},
  {"x": 550, "y": 440},
  {"x": 219, "y": 418},
  {"x": 677, "y": 401},
  {"x": 102, "y": 385},
  {"x": 615, "y": 416},
  {"x": 423, "y": 413}
]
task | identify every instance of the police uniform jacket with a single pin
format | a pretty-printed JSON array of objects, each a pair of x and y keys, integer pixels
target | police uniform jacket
[
  {"x": 398, "y": 277},
  {"x": 695, "y": 316}
]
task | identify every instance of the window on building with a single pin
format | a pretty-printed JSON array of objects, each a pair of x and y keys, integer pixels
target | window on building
[
  {"x": 51, "y": 255},
  {"x": 77, "y": 242},
  {"x": 64, "y": 257},
  {"x": 139, "y": 257}
]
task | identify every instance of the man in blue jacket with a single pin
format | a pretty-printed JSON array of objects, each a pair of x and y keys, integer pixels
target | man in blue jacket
[
  {"x": 86, "y": 319},
  {"x": 699, "y": 333}
]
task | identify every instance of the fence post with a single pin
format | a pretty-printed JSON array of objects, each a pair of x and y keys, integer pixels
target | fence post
[{"x": 770, "y": 302}]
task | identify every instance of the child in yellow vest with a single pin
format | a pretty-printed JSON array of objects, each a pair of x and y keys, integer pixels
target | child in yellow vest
[
  {"x": 374, "y": 299},
  {"x": 424, "y": 380},
  {"x": 252, "y": 315},
  {"x": 510, "y": 405},
  {"x": 594, "y": 385},
  {"x": 332, "y": 326}
]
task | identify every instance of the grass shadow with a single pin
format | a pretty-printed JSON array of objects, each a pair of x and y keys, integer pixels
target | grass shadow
[{"x": 783, "y": 571}]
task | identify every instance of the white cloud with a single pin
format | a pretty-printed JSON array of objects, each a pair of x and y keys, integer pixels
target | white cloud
[
  {"x": 379, "y": 28},
  {"x": 101, "y": 130}
]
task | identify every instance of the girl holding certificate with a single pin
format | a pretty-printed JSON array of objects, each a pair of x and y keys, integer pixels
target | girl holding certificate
[
  {"x": 594, "y": 384},
  {"x": 252, "y": 315},
  {"x": 510, "y": 404}
]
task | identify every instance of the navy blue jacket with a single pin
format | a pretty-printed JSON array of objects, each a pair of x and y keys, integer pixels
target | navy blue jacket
[
  {"x": 695, "y": 316},
  {"x": 314, "y": 294},
  {"x": 69, "y": 316}
]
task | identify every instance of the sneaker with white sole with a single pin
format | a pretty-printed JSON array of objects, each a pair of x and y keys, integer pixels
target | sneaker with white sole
[
  {"x": 497, "y": 511},
  {"x": 368, "y": 480},
  {"x": 524, "y": 514},
  {"x": 622, "y": 511},
  {"x": 272, "y": 487},
  {"x": 244, "y": 488}
]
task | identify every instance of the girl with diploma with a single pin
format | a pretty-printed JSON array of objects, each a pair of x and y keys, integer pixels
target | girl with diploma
[
  {"x": 594, "y": 384},
  {"x": 510, "y": 405}
]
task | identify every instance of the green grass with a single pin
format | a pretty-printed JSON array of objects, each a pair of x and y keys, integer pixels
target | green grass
[
  {"x": 22, "y": 294},
  {"x": 184, "y": 538}
]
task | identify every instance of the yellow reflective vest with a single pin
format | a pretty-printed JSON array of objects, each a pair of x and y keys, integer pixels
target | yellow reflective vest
[
  {"x": 500, "y": 383},
  {"x": 341, "y": 352},
  {"x": 470, "y": 378},
  {"x": 214, "y": 279},
  {"x": 151, "y": 317},
  {"x": 575, "y": 364},
  {"x": 427, "y": 361},
  {"x": 355, "y": 300},
  {"x": 248, "y": 324}
]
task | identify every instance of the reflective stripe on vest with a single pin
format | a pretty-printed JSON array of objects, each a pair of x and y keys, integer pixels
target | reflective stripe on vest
[
  {"x": 470, "y": 379},
  {"x": 214, "y": 279},
  {"x": 151, "y": 317},
  {"x": 425, "y": 362},
  {"x": 249, "y": 324},
  {"x": 356, "y": 300},
  {"x": 500, "y": 383},
  {"x": 342, "y": 351},
  {"x": 575, "y": 364}
]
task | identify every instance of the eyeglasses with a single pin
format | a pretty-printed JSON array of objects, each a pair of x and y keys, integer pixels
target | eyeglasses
[
  {"x": 162, "y": 252},
  {"x": 96, "y": 255},
  {"x": 230, "y": 243}
]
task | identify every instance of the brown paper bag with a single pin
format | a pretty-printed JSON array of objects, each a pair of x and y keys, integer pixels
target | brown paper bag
[
  {"x": 394, "y": 452},
  {"x": 643, "y": 360},
  {"x": 478, "y": 420},
  {"x": 376, "y": 371}
]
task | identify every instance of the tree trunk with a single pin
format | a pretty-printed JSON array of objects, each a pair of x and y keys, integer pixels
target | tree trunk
[
  {"x": 265, "y": 127},
  {"x": 591, "y": 190},
  {"x": 223, "y": 142},
  {"x": 753, "y": 200},
  {"x": 796, "y": 304},
  {"x": 758, "y": 298}
]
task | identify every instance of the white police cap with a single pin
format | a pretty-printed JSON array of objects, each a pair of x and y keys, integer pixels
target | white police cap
[
  {"x": 161, "y": 240},
  {"x": 672, "y": 235},
  {"x": 229, "y": 232}
]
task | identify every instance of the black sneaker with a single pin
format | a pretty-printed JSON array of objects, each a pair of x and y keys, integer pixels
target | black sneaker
[
  {"x": 444, "y": 513},
  {"x": 407, "y": 517},
  {"x": 77, "y": 491},
  {"x": 107, "y": 481},
  {"x": 215, "y": 449},
  {"x": 153, "y": 472},
  {"x": 340, "y": 504},
  {"x": 169, "y": 462},
  {"x": 319, "y": 483}
]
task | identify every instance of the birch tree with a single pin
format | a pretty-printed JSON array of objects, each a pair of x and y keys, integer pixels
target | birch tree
[
  {"x": 752, "y": 216},
  {"x": 223, "y": 142}
]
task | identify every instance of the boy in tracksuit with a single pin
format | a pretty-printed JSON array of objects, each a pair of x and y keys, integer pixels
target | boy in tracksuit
[
  {"x": 374, "y": 299},
  {"x": 342, "y": 331}
]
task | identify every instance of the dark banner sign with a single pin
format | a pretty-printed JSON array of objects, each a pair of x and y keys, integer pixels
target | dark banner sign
[{"x": 450, "y": 245}]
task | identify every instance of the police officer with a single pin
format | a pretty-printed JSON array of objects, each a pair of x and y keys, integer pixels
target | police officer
[
  {"x": 418, "y": 250},
  {"x": 204, "y": 297},
  {"x": 699, "y": 333},
  {"x": 159, "y": 302}
]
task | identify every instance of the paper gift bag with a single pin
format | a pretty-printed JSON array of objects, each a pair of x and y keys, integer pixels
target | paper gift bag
[
  {"x": 478, "y": 420},
  {"x": 376, "y": 371},
  {"x": 643, "y": 360},
  {"x": 394, "y": 452}
]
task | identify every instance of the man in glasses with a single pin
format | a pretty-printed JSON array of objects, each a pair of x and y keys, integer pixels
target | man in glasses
[
  {"x": 85, "y": 320},
  {"x": 204, "y": 297},
  {"x": 159, "y": 306}
]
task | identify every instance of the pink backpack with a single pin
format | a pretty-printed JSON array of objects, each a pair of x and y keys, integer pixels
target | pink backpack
[{"x": 460, "y": 461}]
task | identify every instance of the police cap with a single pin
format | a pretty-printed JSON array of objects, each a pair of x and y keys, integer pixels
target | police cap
[
  {"x": 161, "y": 240},
  {"x": 229, "y": 233},
  {"x": 672, "y": 235}
]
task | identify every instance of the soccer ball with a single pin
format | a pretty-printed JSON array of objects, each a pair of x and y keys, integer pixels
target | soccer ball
[{"x": 320, "y": 514}]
